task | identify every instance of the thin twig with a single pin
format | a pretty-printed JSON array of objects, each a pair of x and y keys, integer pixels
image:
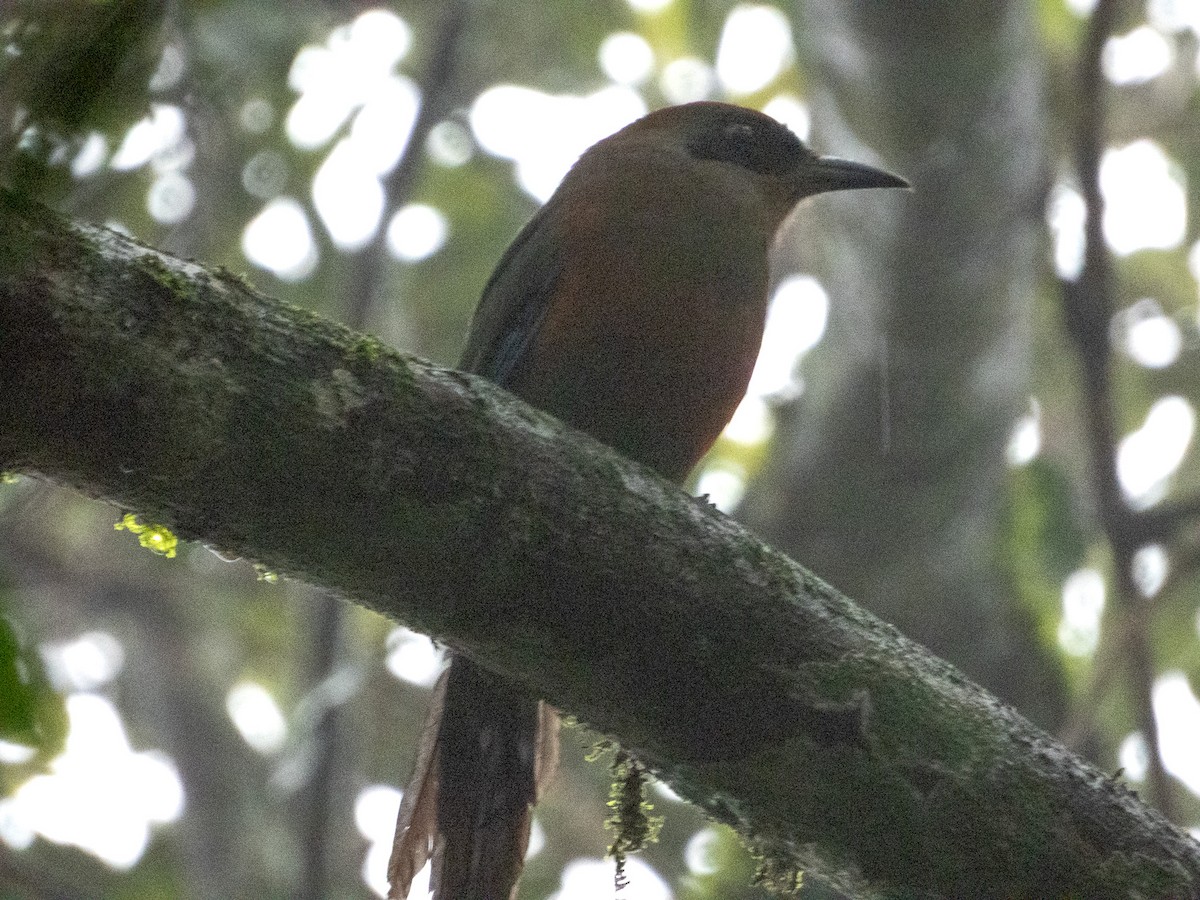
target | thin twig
[
  {"x": 434, "y": 87},
  {"x": 1088, "y": 307},
  {"x": 1166, "y": 520}
]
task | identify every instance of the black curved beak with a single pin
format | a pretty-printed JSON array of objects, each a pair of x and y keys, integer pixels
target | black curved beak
[{"x": 828, "y": 173}]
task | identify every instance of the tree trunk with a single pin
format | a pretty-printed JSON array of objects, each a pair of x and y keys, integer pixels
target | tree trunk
[{"x": 889, "y": 474}]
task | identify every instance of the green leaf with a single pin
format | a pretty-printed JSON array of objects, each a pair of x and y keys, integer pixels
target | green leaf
[{"x": 31, "y": 711}]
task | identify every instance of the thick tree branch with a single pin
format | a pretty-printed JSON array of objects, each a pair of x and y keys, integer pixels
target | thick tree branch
[
  {"x": 750, "y": 685},
  {"x": 1167, "y": 519}
]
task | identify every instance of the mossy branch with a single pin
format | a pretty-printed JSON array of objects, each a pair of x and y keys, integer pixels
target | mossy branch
[{"x": 825, "y": 737}]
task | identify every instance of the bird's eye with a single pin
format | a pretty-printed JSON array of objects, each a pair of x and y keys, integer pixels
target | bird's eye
[
  {"x": 766, "y": 150},
  {"x": 739, "y": 133}
]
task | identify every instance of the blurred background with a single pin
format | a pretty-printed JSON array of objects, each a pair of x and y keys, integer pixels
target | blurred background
[{"x": 974, "y": 410}]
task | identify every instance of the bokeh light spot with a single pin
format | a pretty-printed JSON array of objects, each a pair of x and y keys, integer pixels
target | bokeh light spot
[
  {"x": 280, "y": 240},
  {"x": 1134, "y": 757},
  {"x": 1194, "y": 262},
  {"x": 171, "y": 67},
  {"x": 1151, "y": 566},
  {"x": 381, "y": 36},
  {"x": 626, "y": 57},
  {"x": 792, "y": 112},
  {"x": 343, "y": 74},
  {"x": 88, "y": 662},
  {"x": 265, "y": 174},
  {"x": 98, "y": 795},
  {"x": 698, "y": 854},
  {"x": 91, "y": 155},
  {"x": 1136, "y": 57},
  {"x": 170, "y": 198},
  {"x": 383, "y": 126},
  {"x": 413, "y": 657},
  {"x": 1173, "y": 16},
  {"x": 545, "y": 134},
  {"x": 449, "y": 144},
  {"x": 724, "y": 486},
  {"x": 1026, "y": 439},
  {"x": 375, "y": 810},
  {"x": 1082, "y": 606},
  {"x": 752, "y": 422},
  {"x": 417, "y": 232},
  {"x": 161, "y": 130},
  {"x": 348, "y": 196},
  {"x": 591, "y": 879},
  {"x": 687, "y": 79},
  {"x": 796, "y": 321},
  {"x": 1177, "y": 715},
  {"x": 1066, "y": 215},
  {"x": 755, "y": 46},
  {"x": 256, "y": 716},
  {"x": 15, "y": 754},
  {"x": 257, "y": 115},
  {"x": 1149, "y": 337},
  {"x": 1144, "y": 203},
  {"x": 1147, "y": 457}
]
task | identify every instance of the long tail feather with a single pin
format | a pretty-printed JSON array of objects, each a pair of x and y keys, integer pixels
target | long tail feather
[
  {"x": 487, "y": 785},
  {"x": 487, "y": 752},
  {"x": 545, "y": 763},
  {"x": 416, "y": 824}
]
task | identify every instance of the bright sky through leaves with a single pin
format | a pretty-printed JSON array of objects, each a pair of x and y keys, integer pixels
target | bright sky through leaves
[{"x": 98, "y": 794}]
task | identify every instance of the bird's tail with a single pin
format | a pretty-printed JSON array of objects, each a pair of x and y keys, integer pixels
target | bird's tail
[{"x": 486, "y": 751}]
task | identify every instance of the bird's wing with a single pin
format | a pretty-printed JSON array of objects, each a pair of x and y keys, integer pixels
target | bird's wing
[{"x": 515, "y": 300}]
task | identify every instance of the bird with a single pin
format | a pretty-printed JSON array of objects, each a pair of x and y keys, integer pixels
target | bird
[{"x": 631, "y": 306}]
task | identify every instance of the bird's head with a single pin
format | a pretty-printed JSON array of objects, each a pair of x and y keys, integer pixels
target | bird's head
[{"x": 752, "y": 147}]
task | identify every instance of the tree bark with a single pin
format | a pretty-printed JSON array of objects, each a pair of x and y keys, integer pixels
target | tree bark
[{"x": 829, "y": 740}]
